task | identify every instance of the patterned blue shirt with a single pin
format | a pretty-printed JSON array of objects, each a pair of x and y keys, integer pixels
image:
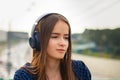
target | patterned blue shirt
[{"x": 80, "y": 70}]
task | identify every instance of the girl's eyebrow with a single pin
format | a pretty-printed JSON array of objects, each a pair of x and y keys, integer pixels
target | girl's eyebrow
[
  {"x": 55, "y": 33},
  {"x": 58, "y": 34}
]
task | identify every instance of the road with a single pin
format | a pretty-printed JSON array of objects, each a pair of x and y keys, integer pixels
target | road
[{"x": 101, "y": 69}]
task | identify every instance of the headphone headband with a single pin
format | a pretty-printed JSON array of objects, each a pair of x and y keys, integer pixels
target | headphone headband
[{"x": 38, "y": 20}]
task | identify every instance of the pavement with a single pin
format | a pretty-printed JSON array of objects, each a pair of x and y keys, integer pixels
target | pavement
[{"x": 17, "y": 58}]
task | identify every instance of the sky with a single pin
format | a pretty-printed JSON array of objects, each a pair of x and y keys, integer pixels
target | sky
[{"x": 20, "y": 15}]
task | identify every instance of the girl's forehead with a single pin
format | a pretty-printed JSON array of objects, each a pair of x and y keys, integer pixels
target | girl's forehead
[{"x": 61, "y": 26}]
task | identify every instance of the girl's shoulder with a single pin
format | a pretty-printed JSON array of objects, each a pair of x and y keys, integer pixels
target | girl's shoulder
[
  {"x": 23, "y": 74},
  {"x": 81, "y": 70}
]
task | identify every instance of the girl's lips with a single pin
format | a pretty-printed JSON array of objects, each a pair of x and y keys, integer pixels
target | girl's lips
[{"x": 61, "y": 50}]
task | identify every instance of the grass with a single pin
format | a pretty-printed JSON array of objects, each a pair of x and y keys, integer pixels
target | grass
[
  {"x": 2, "y": 46},
  {"x": 100, "y": 54}
]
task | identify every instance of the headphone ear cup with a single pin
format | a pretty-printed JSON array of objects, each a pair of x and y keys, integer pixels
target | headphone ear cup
[
  {"x": 37, "y": 41},
  {"x": 34, "y": 41}
]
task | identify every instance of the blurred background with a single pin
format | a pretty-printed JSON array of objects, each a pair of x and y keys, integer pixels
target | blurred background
[{"x": 95, "y": 28}]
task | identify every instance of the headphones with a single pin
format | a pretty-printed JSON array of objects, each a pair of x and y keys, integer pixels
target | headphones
[{"x": 34, "y": 40}]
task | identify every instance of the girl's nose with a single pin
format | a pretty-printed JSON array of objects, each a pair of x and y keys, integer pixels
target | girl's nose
[{"x": 62, "y": 42}]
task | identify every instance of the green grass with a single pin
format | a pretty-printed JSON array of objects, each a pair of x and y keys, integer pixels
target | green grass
[
  {"x": 100, "y": 54},
  {"x": 2, "y": 46}
]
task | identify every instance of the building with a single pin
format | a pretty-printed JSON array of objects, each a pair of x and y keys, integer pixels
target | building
[
  {"x": 17, "y": 36},
  {"x": 12, "y": 36}
]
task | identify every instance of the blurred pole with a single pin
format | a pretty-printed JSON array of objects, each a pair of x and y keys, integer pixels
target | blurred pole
[{"x": 9, "y": 64}]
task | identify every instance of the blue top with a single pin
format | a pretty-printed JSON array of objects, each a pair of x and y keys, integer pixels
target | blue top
[{"x": 80, "y": 70}]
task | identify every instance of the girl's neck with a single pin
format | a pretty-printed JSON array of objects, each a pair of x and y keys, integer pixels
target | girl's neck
[
  {"x": 53, "y": 69},
  {"x": 52, "y": 65}
]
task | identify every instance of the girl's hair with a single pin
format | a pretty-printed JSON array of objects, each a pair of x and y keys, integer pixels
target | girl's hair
[{"x": 45, "y": 27}]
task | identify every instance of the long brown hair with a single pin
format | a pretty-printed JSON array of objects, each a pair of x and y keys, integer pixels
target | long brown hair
[{"x": 45, "y": 27}]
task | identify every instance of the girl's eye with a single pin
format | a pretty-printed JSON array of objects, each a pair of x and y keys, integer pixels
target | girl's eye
[
  {"x": 66, "y": 38},
  {"x": 53, "y": 36}
]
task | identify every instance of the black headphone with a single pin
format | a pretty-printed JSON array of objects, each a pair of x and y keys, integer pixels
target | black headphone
[{"x": 34, "y": 40}]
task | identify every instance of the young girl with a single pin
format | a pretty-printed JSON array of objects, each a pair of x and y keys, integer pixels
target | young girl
[{"x": 51, "y": 44}]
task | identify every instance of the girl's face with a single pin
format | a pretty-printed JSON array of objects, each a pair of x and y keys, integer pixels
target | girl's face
[{"x": 58, "y": 43}]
